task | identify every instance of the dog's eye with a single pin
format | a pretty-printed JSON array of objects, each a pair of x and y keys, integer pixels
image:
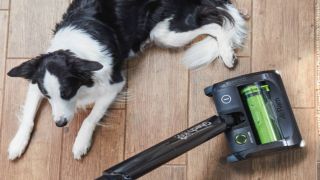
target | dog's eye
[{"x": 66, "y": 94}]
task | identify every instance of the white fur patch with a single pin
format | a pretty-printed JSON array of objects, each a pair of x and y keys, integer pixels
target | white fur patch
[
  {"x": 78, "y": 42},
  {"x": 60, "y": 108},
  {"x": 82, "y": 45}
]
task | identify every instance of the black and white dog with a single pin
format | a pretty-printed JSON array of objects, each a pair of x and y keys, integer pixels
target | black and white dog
[{"x": 83, "y": 63}]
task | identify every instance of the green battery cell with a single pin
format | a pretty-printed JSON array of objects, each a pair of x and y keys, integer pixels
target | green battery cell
[{"x": 264, "y": 119}]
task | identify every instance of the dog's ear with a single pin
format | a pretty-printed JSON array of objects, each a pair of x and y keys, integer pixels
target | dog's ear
[
  {"x": 81, "y": 65},
  {"x": 25, "y": 70}
]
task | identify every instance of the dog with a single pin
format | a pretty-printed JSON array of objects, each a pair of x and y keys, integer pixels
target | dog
[{"x": 83, "y": 64}]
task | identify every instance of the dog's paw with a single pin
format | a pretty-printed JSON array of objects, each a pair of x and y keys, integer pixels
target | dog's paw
[
  {"x": 17, "y": 147},
  {"x": 81, "y": 145},
  {"x": 227, "y": 55},
  {"x": 79, "y": 150}
]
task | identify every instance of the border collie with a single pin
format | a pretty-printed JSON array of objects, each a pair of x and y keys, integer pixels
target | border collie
[{"x": 95, "y": 37}]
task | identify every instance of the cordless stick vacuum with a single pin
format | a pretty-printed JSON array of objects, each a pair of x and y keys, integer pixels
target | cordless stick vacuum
[{"x": 254, "y": 113}]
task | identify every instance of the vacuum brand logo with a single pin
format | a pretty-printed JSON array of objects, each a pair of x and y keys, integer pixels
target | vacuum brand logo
[
  {"x": 186, "y": 134},
  {"x": 279, "y": 108}
]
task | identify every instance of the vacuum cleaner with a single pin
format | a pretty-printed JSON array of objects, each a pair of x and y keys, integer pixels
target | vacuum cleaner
[{"x": 254, "y": 113}]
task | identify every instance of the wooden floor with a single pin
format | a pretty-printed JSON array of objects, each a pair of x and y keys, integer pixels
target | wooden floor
[{"x": 163, "y": 98}]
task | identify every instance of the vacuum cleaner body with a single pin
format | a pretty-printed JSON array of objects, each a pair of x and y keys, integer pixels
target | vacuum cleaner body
[
  {"x": 267, "y": 120},
  {"x": 254, "y": 113}
]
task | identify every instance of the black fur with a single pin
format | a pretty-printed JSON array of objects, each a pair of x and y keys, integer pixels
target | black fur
[
  {"x": 123, "y": 25},
  {"x": 120, "y": 26}
]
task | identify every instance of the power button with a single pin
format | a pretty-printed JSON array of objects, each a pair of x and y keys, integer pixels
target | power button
[
  {"x": 226, "y": 99},
  {"x": 241, "y": 139}
]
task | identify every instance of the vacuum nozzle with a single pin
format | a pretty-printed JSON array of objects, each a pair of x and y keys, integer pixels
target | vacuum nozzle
[{"x": 261, "y": 100}]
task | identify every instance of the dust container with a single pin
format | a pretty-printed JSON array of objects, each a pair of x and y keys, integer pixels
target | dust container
[{"x": 263, "y": 115}]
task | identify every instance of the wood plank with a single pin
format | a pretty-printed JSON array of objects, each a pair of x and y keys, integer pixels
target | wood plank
[
  {"x": 3, "y": 44},
  {"x": 306, "y": 59},
  {"x": 296, "y": 164},
  {"x": 120, "y": 102},
  {"x": 204, "y": 162},
  {"x": 112, "y": 139},
  {"x": 107, "y": 147},
  {"x": 284, "y": 40},
  {"x": 318, "y": 142},
  {"x": 31, "y": 25},
  {"x": 4, "y": 4},
  {"x": 245, "y": 6},
  {"x": 158, "y": 108},
  {"x": 318, "y": 171},
  {"x": 42, "y": 158},
  {"x": 167, "y": 172}
]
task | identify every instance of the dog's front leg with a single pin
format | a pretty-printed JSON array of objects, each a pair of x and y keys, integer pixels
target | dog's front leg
[
  {"x": 22, "y": 137},
  {"x": 83, "y": 139}
]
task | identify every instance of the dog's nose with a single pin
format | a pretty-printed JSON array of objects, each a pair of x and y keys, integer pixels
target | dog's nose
[{"x": 62, "y": 122}]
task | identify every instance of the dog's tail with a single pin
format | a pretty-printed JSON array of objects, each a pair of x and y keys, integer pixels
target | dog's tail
[
  {"x": 201, "y": 53},
  {"x": 220, "y": 42}
]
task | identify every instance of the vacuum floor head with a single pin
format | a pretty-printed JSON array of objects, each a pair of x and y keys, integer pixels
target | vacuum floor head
[
  {"x": 267, "y": 121},
  {"x": 254, "y": 112}
]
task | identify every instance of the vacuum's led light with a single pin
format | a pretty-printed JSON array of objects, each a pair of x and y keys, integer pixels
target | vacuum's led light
[{"x": 302, "y": 143}]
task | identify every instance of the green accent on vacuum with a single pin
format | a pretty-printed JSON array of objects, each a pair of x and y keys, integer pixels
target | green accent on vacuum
[{"x": 262, "y": 113}]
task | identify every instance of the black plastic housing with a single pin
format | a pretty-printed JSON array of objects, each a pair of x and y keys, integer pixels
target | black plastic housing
[
  {"x": 234, "y": 119},
  {"x": 168, "y": 149},
  {"x": 228, "y": 101}
]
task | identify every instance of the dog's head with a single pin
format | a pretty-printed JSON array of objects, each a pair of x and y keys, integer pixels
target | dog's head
[{"x": 59, "y": 76}]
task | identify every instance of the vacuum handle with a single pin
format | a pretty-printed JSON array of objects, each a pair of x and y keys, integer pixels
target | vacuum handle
[{"x": 167, "y": 150}]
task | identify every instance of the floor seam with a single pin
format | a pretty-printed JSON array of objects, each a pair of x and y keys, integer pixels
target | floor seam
[{"x": 4, "y": 68}]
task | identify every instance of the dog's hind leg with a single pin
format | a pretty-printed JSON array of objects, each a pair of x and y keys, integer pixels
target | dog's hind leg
[
  {"x": 83, "y": 139},
  {"x": 222, "y": 38},
  {"x": 22, "y": 137},
  {"x": 162, "y": 36}
]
